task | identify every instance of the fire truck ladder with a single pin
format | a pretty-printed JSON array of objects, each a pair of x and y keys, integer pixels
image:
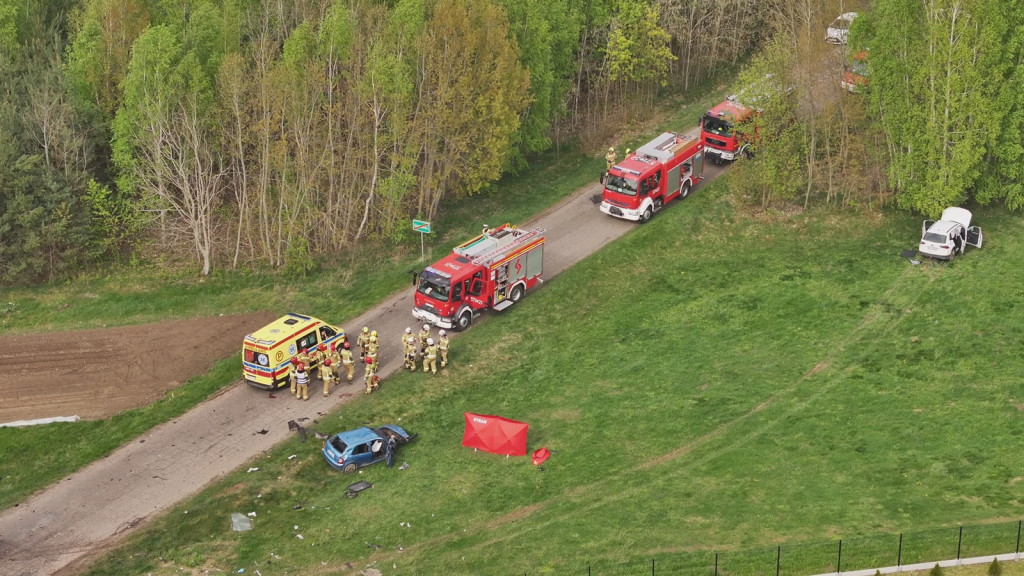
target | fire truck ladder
[
  {"x": 665, "y": 147},
  {"x": 504, "y": 240}
]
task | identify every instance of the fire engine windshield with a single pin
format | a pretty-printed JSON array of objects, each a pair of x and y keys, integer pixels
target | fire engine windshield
[
  {"x": 717, "y": 126},
  {"x": 434, "y": 285},
  {"x": 621, "y": 185}
]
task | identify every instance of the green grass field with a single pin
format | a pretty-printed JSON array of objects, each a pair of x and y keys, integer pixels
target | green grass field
[{"x": 710, "y": 383}]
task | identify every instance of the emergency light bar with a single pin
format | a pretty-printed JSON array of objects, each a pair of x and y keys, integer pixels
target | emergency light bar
[{"x": 438, "y": 272}]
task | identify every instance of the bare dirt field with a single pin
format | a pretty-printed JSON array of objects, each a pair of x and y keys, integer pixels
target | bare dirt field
[{"x": 94, "y": 374}]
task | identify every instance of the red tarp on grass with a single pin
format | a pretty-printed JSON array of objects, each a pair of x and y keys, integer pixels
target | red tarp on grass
[{"x": 495, "y": 434}]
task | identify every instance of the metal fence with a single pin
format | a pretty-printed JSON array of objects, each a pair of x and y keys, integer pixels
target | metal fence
[{"x": 861, "y": 553}]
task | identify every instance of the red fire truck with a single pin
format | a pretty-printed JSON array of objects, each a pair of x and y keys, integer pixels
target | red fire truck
[
  {"x": 493, "y": 270},
  {"x": 718, "y": 130},
  {"x": 665, "y": 168},
  {"x": 855, "y": 72}
]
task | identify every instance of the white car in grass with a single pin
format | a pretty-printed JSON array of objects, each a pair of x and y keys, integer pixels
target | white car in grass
[
  {"x": 839, "y": 29},
  {"x": 943, "y": 238}
]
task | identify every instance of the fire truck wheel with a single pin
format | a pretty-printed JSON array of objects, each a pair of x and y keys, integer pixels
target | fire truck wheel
[
  {"x": 646, "y": 216},
  {"x": 517, "y": 293},
  {"x": 658, "y": 203},
  {"x": 464, "y": 320},
  {"x": 685, "y": 191},
  {"x": 348, "y": 469}
]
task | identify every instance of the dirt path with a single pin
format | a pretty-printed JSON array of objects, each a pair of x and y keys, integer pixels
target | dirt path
[{"x": 63, "y": 528}]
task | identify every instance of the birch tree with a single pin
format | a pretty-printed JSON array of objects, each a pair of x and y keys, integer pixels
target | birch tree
[{"x": 934, "y": 62}]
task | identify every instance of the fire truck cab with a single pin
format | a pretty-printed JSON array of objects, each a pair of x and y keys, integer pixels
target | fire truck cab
[
  {"x": 665, "y": 168},
  {"x": 722, "y": 141},
  {"x": 855, "y": 72},
  {"x": 493, "y": 270}
]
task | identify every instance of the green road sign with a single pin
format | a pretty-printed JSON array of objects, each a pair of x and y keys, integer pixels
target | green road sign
[{"x": 421, "y": 226}]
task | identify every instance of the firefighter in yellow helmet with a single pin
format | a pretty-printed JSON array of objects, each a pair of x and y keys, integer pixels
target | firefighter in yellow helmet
[
  {"x": 609, "y": 159},
  {"x": 348, "y": 361},
  {"x": 424, "y": 335},
  {"x": 292, "y": 369},
  {"x": 327, "y": 375},
  {"x": 442, "y": 347},
  {"x": 302, "y": 382},
  {"x": 430, "y": 357},
  {"x": 373, "y": 347},
  {"x": 363, "y": 341},
  {"x": 371, "y": 378}
]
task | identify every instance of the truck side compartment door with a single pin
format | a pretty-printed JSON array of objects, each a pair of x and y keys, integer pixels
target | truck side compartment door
[{"x": 974, "y": 236}]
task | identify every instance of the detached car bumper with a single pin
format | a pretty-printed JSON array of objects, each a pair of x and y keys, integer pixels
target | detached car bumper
[{"x": 619, "y": 212}]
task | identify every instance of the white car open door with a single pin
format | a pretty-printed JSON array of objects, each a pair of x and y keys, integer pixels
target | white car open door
[
  {"x": 974, "y": 236},
  {"x": 925, "y": 226}
]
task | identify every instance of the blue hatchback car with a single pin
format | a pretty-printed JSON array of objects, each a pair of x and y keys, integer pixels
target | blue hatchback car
[{"x": 349, "y": 451}]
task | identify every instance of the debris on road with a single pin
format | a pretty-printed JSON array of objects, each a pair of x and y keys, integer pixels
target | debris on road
[
  {"x": 251, "y": 470},
  {"x": 293, "y": 425}
]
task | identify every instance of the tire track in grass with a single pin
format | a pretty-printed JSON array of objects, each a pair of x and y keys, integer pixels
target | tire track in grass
[{"x": 867, "y": 325}]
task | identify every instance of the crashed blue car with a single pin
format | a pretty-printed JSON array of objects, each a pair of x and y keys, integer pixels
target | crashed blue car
[{"x": 352, "y": 450}]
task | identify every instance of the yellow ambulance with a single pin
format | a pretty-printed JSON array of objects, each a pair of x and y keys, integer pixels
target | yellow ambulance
[{"x": 267, "y": 352}]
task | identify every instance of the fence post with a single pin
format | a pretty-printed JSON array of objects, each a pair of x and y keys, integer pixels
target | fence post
[
  {"x": 716, "y": 563},
  {"x": 959, "y": 541},
  {"x": 778, "y": 560},
  {"x": 652, "y": 566},
  {"x": 899, "y": 553},
  {"x": 839, "y": 561},
  {"x": 1017, "y": 550}
]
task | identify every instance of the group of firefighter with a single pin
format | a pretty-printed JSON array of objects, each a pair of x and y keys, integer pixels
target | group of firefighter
[{"x": 330, "y": 359}]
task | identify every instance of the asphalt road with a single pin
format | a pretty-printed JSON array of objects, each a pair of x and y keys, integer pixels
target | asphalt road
[{"x": 77, "y": 519}]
